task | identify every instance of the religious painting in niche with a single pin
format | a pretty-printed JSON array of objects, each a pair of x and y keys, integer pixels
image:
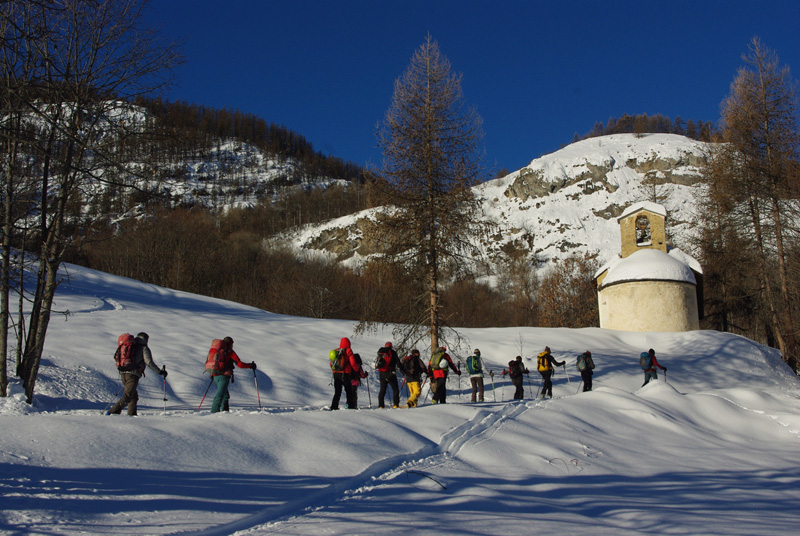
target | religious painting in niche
[{"x": 643, "y": 235}]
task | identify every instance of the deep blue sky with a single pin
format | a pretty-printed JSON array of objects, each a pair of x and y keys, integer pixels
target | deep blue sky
[{"x": 537, "y": 71}]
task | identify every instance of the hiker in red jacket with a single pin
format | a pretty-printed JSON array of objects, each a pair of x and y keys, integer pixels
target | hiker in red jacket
[
  {"x": 347, "y": 377},
  {"x": 437, "y": 371},
  {"x": 386, "y": 364},
  {"x": 222, "y": 360},
  {"x": 650, "y": 370}
]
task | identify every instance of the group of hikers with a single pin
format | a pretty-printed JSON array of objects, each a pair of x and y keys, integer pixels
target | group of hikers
[
  {"x": 348, "y": 372},
  {"x": 133, "y": 357}
]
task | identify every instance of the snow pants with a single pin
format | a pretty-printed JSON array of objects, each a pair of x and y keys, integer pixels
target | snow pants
[
  {"x": 519, "y": 389},
  {"x": 130, "y": 397},
  {"x": 223, "y": 396},
  {"x": 477, "y": 388},
  {"x": 649, "y": 375},
  {"x": 388, "y": 378},
  {"x": 547, "y": 387},
  {"x": 344, "y": 381},
  {"x": 439, "y": 390},
  {"x": 339, "y": 379},
  {"x": 414, "y": 390},
  {"x": 586, "y": 376}
]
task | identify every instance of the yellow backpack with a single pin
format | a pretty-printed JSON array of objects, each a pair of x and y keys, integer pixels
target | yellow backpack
[{"x": 543, "y": 363}]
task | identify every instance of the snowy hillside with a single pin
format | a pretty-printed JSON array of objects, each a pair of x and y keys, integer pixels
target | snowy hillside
[
  {"x": 711, "y": 450},
  {"x": 561, "y": 204}
]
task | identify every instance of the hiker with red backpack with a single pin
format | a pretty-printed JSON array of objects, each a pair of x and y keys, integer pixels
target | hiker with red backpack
[
  {"x": 413, "y": 368},
  {"x": 347, "y": 372},
  {"x": 219, "y": 363},
  {"x": 437, "y": 371},
  {"x": 386, "y": 364},
  {"x": 648, "y": 362},
  {"x": 515, "y": 371},
  {"x": 132, "y": 357}
]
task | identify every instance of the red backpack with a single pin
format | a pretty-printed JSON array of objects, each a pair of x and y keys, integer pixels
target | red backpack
[
  {"x": 384, "y": 360},
  {"x": 218, "y": 358},
  {"x": 126, "y": 350}
]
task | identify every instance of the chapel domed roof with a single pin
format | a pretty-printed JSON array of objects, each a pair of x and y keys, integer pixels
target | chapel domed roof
[{"x": 652, "y": 265}]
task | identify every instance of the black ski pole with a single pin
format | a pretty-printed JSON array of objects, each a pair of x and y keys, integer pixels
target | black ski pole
[
  {"x": 113, "y": 401},
  {"x": 255, "y": 379},
  {"x": 165, "y": 391},
  {"x": 494, "y": 394},
  {"x": 204, "y": 394}
]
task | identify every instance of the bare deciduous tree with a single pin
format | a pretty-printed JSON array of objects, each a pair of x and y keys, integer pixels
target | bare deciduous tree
[
  {"x": 430, "y": 141},
  {"x": 760, "y": 127},
  {"x": 70, "y": 67}
]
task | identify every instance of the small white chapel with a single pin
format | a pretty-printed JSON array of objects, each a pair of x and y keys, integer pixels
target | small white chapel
[{"x": 650, "y": 286}]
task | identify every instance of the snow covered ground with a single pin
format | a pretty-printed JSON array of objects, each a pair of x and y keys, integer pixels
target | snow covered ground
[{"x": 712, "y": 450}]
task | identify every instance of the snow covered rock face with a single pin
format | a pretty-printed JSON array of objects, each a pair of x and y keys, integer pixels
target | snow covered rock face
[
  {"x": 561, "y": 204},
  {"x": 589, "y": 163}
]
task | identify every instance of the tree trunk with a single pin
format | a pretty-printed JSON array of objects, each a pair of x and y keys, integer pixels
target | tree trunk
[{"x": 790, "y": 353}]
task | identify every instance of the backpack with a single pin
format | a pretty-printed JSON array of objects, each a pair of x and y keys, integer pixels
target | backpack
[
  {"x": 410, "y": 366},
  {"x": 336, "y": 357},
  {"x": 645, "y": 361},
  {"x": 383, "y": 361},
  {"x": 582, "y": 364},
  {"x": 126, "y": 350},
  {"x": 218, "y": 358},
  {"x": 543, "y": 363},
  {"x": 474, "y": 365},
  {"x": 514, "y": 368},
  {"x": 437, "y": 361}
]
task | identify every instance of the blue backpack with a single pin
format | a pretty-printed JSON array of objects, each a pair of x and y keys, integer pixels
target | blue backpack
[
  {"x": 585, "y": 362},
  {"x": 645, "y": 361},
  {"x": 474, "y": 365}
]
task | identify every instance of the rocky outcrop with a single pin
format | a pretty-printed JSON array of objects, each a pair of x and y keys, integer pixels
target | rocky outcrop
[{"x": 535, "y": 182}]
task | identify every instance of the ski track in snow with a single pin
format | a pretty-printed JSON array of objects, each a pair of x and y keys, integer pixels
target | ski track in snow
[{"x": 433, "y": 454}]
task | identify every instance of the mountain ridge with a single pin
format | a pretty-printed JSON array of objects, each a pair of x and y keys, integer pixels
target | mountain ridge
[{"x": 561, "y": 204}]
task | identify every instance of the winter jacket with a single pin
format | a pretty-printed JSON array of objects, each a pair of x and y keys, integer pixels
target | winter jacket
[
  {"x": 654, "y": 363},
  {"x": 227, "y": 364},
  {"x": 350, "y": 364}
]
